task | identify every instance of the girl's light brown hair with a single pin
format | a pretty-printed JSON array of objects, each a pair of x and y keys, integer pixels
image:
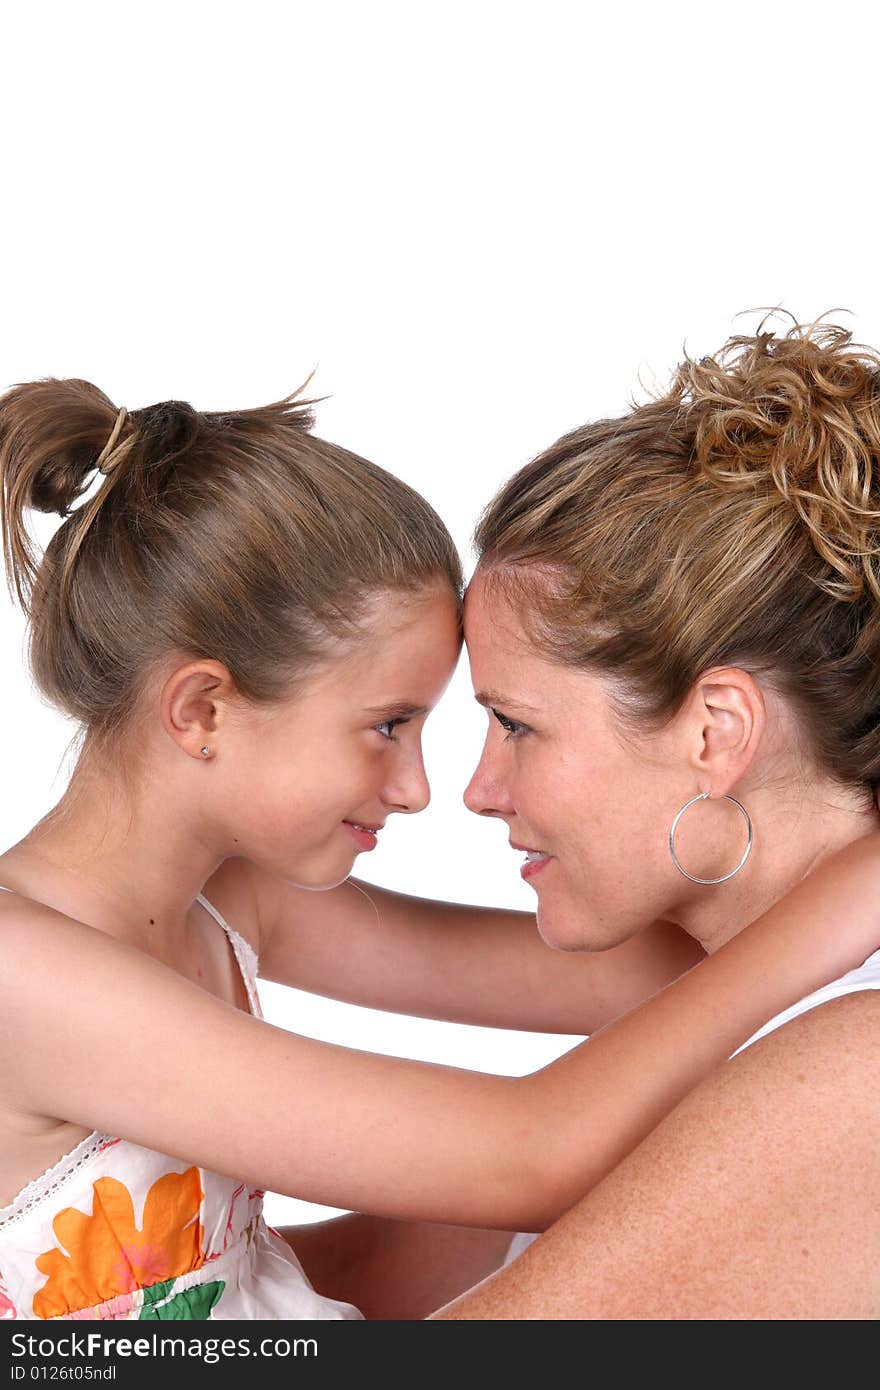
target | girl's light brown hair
[
  {"x": 732, "y": 520},
  {"x": 239, "y": 536}
]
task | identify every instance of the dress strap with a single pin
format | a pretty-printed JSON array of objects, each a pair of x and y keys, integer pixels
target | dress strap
[{"x": 245, "y": 955}]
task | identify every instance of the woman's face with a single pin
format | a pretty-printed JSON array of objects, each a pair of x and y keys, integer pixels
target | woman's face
[
  {"x": 316, "y": 779},
  {"x": 557, "y": 771}
]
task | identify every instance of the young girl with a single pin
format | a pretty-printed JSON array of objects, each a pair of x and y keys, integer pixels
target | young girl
[{"x": 250, "y": 625}]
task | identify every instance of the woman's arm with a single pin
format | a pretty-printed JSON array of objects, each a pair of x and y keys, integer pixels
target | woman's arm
[
  {"x": 480, "y": 965},
  {"x": 381, "y": 1135},
  {"x": 758, "y": 1197},
  {"x": 400, "y": 1270}
]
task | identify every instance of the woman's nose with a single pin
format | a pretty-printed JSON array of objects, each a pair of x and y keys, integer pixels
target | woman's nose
[{"x": 486, "y": 794}]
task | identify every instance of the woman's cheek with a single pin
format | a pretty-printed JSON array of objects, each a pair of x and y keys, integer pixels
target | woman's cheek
[{"x": 536, "y": 793}]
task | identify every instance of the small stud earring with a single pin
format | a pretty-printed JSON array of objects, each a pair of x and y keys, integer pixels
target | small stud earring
[{"x": 206, "y": 752}]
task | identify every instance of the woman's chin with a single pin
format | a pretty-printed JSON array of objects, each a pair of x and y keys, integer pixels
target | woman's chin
[
  {"x": 554, "y": 929},
  {"x": 565, "y": 926}
]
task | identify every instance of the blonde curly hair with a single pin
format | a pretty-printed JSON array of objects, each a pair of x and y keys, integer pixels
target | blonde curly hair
[{"x": 734, "y": 519}]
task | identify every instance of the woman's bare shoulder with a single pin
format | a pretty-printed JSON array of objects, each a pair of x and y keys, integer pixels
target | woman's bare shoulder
[
  {"x": 757, "y": 1197},
  {"x": 844, "y": 1031}
]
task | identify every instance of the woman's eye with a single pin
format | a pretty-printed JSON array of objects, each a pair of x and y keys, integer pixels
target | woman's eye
[
  {"x": 514, "y": 730},
  {"x": 390, "y": 725}
]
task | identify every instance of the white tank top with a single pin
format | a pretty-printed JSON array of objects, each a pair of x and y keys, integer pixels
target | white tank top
[{"x": 865, "y": 976}]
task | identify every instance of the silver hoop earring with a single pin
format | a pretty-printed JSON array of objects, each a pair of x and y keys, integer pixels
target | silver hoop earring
[
  {"x": 206, "y": 752},
  {"x": 702, "y": 796}
]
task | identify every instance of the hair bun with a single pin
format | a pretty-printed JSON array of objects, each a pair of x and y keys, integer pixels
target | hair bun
[
  {"x": 798, "y": 415},
  {"x": 52, "y": 432}
]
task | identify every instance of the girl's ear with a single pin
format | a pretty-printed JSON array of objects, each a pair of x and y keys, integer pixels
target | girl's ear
[{"x": 189, "y": 701}]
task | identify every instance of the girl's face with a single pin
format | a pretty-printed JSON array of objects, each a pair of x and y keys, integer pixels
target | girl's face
[
  {"x": 317, "y": 779},
  {"x": 595, "y": 808}
]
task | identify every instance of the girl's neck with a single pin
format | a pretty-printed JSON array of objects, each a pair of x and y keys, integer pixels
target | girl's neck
[{"x": 130, "y": 871}]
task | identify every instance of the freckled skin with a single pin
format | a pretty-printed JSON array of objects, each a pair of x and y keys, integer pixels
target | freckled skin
[
  {"x": 572, "y": 787},
  {"x": 758, "y": 1196},
  {"x": 569, "y": 779}
]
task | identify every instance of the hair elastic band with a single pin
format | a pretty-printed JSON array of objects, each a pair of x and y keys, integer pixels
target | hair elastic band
[{"x": 111, "y": 442}]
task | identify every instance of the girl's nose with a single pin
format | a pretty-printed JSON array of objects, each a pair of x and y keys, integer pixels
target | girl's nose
[{"x": 410, "y": 792}]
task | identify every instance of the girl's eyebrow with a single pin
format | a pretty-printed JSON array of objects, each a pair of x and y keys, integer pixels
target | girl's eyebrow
[
  {"x": 399, "y": 709},
  {"x": 493, "y": 697}
]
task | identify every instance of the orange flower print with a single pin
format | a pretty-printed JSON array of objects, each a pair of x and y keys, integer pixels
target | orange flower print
[
  {"x": 7, "y": 1307},
  {"x": 108, "y": 1255}
]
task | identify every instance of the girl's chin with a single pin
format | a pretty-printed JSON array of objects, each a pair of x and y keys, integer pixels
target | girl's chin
[
  {"x": 337, "y": 878},
  {"x": 319, "y": 878}
]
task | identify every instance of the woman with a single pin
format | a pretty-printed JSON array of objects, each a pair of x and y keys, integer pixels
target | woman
[{"x": 674, "y": 623}]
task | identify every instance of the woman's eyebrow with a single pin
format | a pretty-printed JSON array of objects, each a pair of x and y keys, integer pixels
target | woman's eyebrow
[{"x": 493, "y": 697}]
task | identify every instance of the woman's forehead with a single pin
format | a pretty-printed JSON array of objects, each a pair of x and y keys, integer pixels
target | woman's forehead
[
  {"x": 507, "y": 669},
  {"x": 492, "y": 621}
]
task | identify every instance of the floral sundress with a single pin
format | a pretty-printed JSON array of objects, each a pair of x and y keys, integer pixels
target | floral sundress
[{"x": 115, "y": 1230}]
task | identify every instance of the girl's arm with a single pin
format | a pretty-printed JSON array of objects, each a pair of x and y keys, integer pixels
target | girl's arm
[
  {"x": 479, "y": 965},
  {"x": 95, "y": 1032}
]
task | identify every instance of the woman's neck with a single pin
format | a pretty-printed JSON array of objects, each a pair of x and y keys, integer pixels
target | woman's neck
[{"x": 791, "y": 837}]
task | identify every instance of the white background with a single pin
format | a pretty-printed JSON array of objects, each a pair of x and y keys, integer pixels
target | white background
[{"x": 481, "y": 222}]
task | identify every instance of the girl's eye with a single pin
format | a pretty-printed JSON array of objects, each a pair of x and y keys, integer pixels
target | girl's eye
[
  {"x": 514, "y": 730},
  {"x": 390, "y": 725}
]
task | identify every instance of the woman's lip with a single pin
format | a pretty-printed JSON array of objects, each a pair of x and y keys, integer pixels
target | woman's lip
[
  {"x": 366, "y": 839},
  {"x": 531, "y": 866},
  {"x": 534, "y": 866}
]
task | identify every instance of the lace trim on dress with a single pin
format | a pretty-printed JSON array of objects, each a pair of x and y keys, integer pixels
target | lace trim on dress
[
  {"x": 36, "y": 1191},
  {"x": 248, "y": 967},
  {"x": 244, "y": 953}
]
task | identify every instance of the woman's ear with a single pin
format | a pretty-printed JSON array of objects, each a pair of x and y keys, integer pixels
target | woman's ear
[{"x": 725, "y": 720}]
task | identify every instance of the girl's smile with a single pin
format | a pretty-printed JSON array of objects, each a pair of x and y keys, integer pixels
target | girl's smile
[{"x": 364, "y": 835}]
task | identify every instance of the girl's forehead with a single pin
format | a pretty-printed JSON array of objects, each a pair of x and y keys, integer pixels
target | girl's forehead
[{"x": 412, "y": 643}]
